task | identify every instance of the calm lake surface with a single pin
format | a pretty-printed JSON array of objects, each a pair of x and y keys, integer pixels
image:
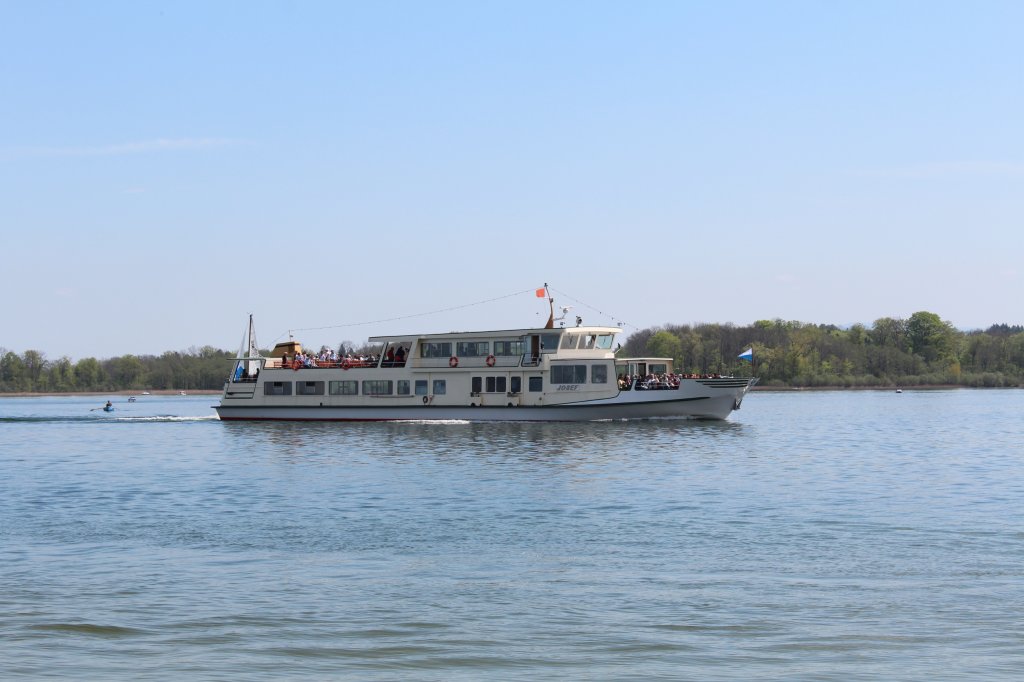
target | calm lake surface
[{"x": 814, "y": 535}]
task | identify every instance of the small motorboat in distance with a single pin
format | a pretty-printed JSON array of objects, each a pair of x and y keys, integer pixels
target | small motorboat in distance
[
  {"x": 131, "y": 399},
  {"x": 109, "y": 407}
]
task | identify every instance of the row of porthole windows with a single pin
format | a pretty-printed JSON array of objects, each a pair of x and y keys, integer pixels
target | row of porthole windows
[
  {"x": 513, "y": 347},
  {"x": 351, "y": 387},
  {"x": 492, "y": 384},
  {"x": 471, "y": 349},
  {"x": 560, "y": 374}
]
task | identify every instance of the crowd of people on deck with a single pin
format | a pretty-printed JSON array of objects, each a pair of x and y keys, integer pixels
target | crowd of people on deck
[{"x": 654, "y": 382}]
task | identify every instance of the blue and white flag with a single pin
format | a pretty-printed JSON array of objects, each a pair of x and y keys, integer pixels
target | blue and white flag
[{"x": 748, "y": 354}]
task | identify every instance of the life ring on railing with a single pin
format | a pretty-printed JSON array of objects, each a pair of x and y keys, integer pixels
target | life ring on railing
[
  {"x": 345, "y": 364},
  {"x": 453, "y": 361},
  {"x": 426, "y": 400},
  {"x": 296, "y": 365},
  {"x": 490, "y": 360}
]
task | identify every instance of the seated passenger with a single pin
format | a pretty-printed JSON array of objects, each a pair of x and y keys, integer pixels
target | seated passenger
[{"x": 400, "y": 356}]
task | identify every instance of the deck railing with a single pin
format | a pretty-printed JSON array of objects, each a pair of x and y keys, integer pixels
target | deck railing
[{"x": 328, "y": 364}]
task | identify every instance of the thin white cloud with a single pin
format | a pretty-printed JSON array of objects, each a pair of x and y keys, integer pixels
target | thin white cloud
[{"x": 138, "y": 147}]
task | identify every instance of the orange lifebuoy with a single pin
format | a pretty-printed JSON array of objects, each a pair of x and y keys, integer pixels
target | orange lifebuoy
[
  {"x": 296, "y": 365},
  {"x": 345, "y": 364},
  {"x": 490, "y": 360},
  {"x": 453, "y": 361}
]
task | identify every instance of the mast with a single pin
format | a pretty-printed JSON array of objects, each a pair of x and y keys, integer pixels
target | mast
[
  {"x": 253, "y": 352},
  {"x": 252, "y": 338},
  {"x": 551, "y": 302}
]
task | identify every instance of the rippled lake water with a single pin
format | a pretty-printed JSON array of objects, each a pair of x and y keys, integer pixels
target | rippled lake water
[{"x": 814, "y": 535}]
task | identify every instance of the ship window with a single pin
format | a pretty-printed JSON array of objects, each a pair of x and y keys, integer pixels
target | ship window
[
  {"x": 536, "y": 384},
  {"x": 421, "y": 387},
  {"x": 599, "y": 374},
  {"x": 569, "y": 341},
  {"x": 403, "y": 387},
  {"x": 473, "y": 349},
  {"x": 569, "y": 374},
  {"x": 660, "y": 368},
  {"x": 604, "y": 341},
  {"x": 440, "y": 387},
  {"x": 509, "y": 348},
  {"x": 309, "y": 388},
  {"x": 588, "y": 341},
  {"x": 476, "y": 384},
  {"x": 377, "y": 386},
  {"x": 517, "y": 384},
  {"x": 496, "y": 384},
  {"x": 549, "y": 342},
  {"x": 347, "y": 387},
  {"x": 436, "y": 350},
  {"x": 277, "y": 388}
]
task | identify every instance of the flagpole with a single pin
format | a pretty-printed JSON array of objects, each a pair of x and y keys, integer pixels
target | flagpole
[{"x": 551, "y": 303}]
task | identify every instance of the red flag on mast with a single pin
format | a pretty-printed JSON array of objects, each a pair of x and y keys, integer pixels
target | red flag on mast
[{"x": 541, "y": 292}]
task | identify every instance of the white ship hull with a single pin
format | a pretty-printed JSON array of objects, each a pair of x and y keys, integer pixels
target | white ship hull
[{"x": 537, "y": 375}]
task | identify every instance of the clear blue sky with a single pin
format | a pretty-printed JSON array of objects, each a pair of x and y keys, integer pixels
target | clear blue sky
[{"x": 167, "y": 168}]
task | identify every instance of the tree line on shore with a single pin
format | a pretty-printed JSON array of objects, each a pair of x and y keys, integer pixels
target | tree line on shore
[
  {"x": 195, "y": 369},
  {"x": 922, "y": 350}
]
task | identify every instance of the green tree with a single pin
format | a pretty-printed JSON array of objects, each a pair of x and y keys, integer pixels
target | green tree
[
  {"x": 88, "y": 374},
  {"x": 125, "y": 371},
  {"x": 35, "y": 365},
  {"x": 13, "y": 375},
  {"x": 930, "y": 337},
  {"x": 62, "y": 375},
  {"x": 665, "y": 345},
  {"x": 890, "y": 332}
]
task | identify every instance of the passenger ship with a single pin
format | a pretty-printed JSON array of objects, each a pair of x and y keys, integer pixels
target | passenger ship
[{"x": 547, "y": 374}]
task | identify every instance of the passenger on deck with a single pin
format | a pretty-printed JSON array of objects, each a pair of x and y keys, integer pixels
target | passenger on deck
[
  {"x": 389, "y": 357},
  {"x": 400, "y": 356}
]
